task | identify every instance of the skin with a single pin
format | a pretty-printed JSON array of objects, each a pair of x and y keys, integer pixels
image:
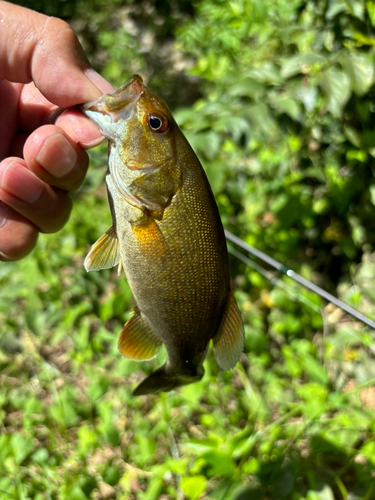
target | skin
[{"x": 43, "y": 70}]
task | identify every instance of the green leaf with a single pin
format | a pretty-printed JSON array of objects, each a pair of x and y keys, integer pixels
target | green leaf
[
  {"x": 360, "y": 72},
  {"x": 193, "y": 486},
  {"x": 336, "y": 7},
  {"x": 307, "y": 94},
  {"x": 325, "y": 493},
  {"x": 368, "y": 449},
  {"x": 336, "y": 86},
  {"x": 287, "y": 106},
  {"x": 154, "y": 489},
  {"x": 302, "y": 63},
  {"x": 219, "y": 464},
  {"x": 356, "y": 8},
  {"x": 22, "y": 447},
  {"x": 206, "y": 143},
  {"x": 201, "y": 445},
  {"x": 40, "y": 456},
  {"x": 355, "y": 154},
  {"x": 63, "y": 411},
  {"x": 370, "y": 6},
  {"x": 247, "y": 87},
  {"x": 315, "y": 370},
  {"x": 267, "y": 72},
  {"x": 353, "y": 136},
  {"x": 86, "y": 438},
  {"x": 7, "y": 487},
  {"x": 76, "y": 493},
  {"x": 5, "y": 447},
  {"x": 261, "y": 117},
  {"x": 372, "y": 194}
]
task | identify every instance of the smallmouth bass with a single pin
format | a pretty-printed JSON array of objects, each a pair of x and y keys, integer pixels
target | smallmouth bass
[{"x": 167, "y": 237}]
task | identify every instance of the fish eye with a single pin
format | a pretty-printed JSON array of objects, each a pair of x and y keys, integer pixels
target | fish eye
[{"x": 157, "y": 123}]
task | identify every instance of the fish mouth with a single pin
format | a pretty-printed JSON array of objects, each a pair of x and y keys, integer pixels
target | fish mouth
[{"x": 116, "y": 104}]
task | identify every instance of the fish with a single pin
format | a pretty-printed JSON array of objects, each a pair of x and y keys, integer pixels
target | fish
[{"x": 168, "y": 239}]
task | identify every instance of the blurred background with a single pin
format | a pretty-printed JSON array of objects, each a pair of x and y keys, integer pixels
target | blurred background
[{"x": 277, "y": 99}]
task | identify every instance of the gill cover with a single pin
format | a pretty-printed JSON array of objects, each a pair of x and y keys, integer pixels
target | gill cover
[{"x": 143, "y": 160}]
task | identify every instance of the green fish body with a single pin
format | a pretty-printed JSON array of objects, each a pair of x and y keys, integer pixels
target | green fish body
[{"x": 167, "y": 237}]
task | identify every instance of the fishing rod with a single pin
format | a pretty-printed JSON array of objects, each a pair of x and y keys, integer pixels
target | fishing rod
[
  {"x": 299, "y": 279},
  {"x": 274, "y": 280}
]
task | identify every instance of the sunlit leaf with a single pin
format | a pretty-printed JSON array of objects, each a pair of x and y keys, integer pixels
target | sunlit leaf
[
  {"x": 360, "y": 72},
  {"x": 301, "y": 63},
  {"x": 324, "y": 493},
  {"x": 193, "y": 486},
  {"x": 287, "y": 106},
  {"x": 370, "y": 6},
  {"x": 336, "y": 85},
  {"x": 218, "y": 464},
  {"x": 22, "y": 447}
]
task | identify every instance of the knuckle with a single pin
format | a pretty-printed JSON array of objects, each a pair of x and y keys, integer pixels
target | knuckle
[
  {"x": 63, "y": 32},
  {"x": 56, "y": 25}
]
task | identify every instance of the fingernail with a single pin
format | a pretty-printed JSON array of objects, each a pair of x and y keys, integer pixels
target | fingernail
[
  {"x": 57, "y": 156},
  {"x": 20, "y": 182},
  {"x": 99, "y": 81},
  {"x": 92, "y": 144},
  {"x": 3, "y": 214}
]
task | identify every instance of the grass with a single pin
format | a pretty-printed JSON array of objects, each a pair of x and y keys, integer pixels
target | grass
[{"x": 294, "y": 419}]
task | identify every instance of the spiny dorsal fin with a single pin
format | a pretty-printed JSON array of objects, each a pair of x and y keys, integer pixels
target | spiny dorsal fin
[
  {"x": 229, "y": 340},
  {"x": 137, "y": 341},
  {"x": 104, "y": 253}
]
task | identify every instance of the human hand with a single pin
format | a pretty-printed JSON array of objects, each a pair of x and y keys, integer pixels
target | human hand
[{"x": 43, "y": 70}]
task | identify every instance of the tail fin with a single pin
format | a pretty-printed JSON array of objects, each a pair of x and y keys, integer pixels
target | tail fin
[{"x": 162, "y": 381}]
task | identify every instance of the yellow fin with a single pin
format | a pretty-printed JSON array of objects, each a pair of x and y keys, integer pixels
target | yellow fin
[
  {"x": 104, "y": 253},
  {"x": 229, "y": 340},
  {"x": 150, "y": 238},
  {"x": 137, "y": 341}
]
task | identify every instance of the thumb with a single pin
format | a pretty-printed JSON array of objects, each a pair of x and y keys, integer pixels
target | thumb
[{"x": 45, "y": 50}]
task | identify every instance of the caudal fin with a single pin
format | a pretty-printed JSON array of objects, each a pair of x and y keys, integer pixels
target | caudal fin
[{"x": 162, "y": 381}]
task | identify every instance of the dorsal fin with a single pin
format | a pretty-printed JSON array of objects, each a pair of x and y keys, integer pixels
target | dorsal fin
[
  {"x": 137, "y": 340},
  {"x": 104, "y": 253},
  {"x": 229, "y": 339}
]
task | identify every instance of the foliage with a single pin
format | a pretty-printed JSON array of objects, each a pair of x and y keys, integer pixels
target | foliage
[
  {"x": 276, "y": 97},
  {"x": 288, "y": 108}
]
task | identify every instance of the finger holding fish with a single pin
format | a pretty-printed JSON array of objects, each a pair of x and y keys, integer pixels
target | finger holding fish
[
  {"x": 34, "y": 191},
  {"x": 46, "y": 207}
]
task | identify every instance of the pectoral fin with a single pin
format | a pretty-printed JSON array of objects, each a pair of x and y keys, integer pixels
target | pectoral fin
[
  {"x": 229, "y": 340},
  {"x": 104, "y": 253},
  {"x": 137, "y": 341}
]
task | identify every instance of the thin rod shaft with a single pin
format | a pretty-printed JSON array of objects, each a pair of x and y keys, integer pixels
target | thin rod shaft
[
  {"x": 273, "y": 280},
  {"x": 296, "y": 277}
]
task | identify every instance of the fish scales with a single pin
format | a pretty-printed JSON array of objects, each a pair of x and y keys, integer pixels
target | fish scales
[
  {"x": 182, "y": 308},
  {"x": 167, "y": 237}
]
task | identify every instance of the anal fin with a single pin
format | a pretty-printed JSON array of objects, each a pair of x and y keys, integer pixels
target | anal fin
[
  {"x": 229, "y": 339},
  {"x": 137, "y": 340},
  {"x": 104, "y": 253}
]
